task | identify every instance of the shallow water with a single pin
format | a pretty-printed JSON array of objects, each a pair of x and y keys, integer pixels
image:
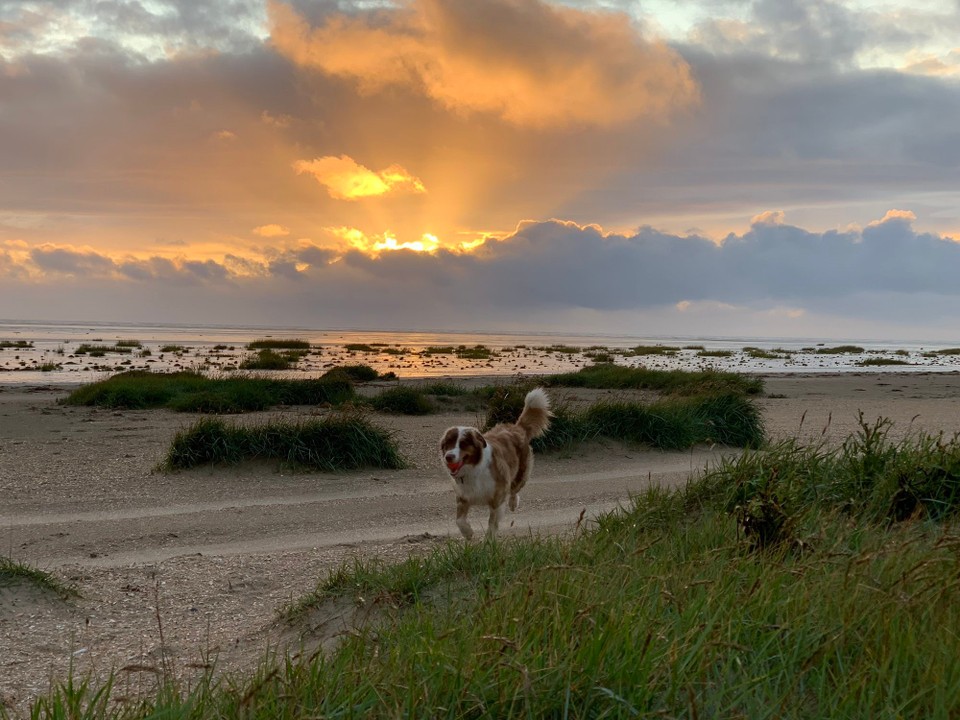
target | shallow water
[{"x": 216, "y": 349}]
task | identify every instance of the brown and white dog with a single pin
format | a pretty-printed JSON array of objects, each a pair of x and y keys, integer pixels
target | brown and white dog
[{"x": 491, "y": 468}]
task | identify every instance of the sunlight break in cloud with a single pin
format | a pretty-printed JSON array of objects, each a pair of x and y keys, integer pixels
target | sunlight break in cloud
[
  {"x": 373, "y": 246},
  {"x": 346, "y": 179},
  {"x": 530, "y": 62},
  {"x": 271, "y": 230}
]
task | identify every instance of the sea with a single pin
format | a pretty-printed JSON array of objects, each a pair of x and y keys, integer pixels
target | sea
[{"x": 53, "y": 352}]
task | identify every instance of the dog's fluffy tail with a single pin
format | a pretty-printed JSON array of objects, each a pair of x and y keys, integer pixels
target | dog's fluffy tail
[{"x": 535, "y": 418}]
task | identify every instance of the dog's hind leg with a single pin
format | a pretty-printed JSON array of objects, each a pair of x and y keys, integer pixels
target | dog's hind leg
[
  {"x": 496, "y": 514},
  {"x": 463, "y": 507},
  {"x": 514, "y": 501}
]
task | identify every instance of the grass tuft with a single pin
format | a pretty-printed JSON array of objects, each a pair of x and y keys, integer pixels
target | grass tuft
[
  {"x": 404, "y": 400},
  {"x": 680, "y": 382},
  {"x": 13, "y": 572},
  {"x": 278, "y": 344},
  {"x": 193, "y": 392},
  {"x": 336, "y": 442}
]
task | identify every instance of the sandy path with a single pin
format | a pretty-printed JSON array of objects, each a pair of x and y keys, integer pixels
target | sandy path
[{"x": 206, "y": 557}]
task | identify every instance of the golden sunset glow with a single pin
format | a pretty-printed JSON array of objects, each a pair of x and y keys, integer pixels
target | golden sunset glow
[
  {"x": 345, "y": 179},
  {"x": 345, "y": 161},
  {"x": 373, "y": 245}
]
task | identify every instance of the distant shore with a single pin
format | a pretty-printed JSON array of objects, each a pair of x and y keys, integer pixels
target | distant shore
[{"x": 71, "y": 354}]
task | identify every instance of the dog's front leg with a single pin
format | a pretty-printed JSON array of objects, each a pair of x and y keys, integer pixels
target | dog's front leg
[
  {"x": 496, "y": 513},
  {"x": 463, "y": 507}
]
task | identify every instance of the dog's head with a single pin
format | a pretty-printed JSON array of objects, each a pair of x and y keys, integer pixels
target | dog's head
[{"x": 461, "y": 447}]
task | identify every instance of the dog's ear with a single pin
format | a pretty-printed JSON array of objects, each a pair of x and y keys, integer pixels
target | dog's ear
[
  {"x": 449, "y": 438},
  {"x": 480, "y": 440}
]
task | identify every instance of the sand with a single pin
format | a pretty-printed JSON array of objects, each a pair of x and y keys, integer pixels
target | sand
[{"x": 178, "y": 570}]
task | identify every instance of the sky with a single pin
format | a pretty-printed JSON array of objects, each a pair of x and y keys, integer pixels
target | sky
[{"x": 757, "y": 168}]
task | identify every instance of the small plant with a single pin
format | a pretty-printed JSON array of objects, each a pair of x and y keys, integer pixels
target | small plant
[
  {"x": 129, "y": 344},
  {"x": 715, "y": 353},
  {"x": 439, "y": 350},
  {"x": 178, "y": 349},
  {"x": 16, "y": 344},
  {"x": 360, "y": 347}
]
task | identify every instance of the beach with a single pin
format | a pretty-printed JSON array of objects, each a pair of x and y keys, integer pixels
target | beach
[{"x": 181, "y": 570}]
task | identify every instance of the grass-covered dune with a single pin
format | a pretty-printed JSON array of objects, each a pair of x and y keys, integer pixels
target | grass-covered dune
[
  {"x": 194, "y": 392},
  {"x": 679, "y": 382},
  {"x": 673, "y": 607},
  {"x": 672, "y": 423},
  {"x": 342, "y": 441}
]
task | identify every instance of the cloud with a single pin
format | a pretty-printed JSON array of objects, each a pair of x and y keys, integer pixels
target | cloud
[
  {"x": 775, "y": 276},
  {"x": 346, "y": 179},
  {"x": 272, "y": 230},
  {"x": 526, "y": 61}
]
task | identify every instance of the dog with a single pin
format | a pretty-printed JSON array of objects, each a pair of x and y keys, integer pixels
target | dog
[{"x": 491, "y": 468}]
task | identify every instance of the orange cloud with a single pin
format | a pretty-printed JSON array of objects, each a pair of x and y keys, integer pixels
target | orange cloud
[
  {"x": 528, "y": 62},
  {"x": 272, "y": 230},
  {"x": 346, "y": 179},
  {"x": 905, "y": 215}
]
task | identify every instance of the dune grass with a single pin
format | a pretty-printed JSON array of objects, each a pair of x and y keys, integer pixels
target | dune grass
[
  {"x": 668, "y": 608},
  {"x": 670, "y": 424},
  {"x": 354, "y": 373},
  {"x": 335, "y": 442},
  {"x": 477, "y": 352},
  {"x": 679, "y": 382},
  {"x": 193, "y": 392},
  {"x": 267, "y": 359},
  {"x": 101, "y": 350},
  {"x": 653, "y": 350},
  {"x": 404, "y": 400},
  {"x": 840, "y": 350},
  {"x": 881, "y": 361},
  {"x": 278, "y": 344},
  {"x": 14, "y": 572}
]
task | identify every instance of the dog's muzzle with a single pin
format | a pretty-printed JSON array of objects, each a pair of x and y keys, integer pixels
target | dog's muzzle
[{"x": 454, "y": 468}]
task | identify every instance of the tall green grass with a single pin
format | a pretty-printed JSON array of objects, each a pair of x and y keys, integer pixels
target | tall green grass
[
  {"x": 193, "y": 392},
  {"x": 670, "y": 424},
  {"x": 680, "y": 382},
  {"x": 331, "y": 443},
  {"x": 663, "y": 609}
]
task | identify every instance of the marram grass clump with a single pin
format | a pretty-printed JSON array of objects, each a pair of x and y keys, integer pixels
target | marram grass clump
[
  {"x": 193, "y": 392},
  {"x": 670, "y": 424},
  {"x": 345, "y": 441},
  {"x": 675, "y": 382}
]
